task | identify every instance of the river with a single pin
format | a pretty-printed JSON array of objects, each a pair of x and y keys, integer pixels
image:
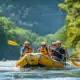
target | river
[{"x": 8, "y": 71}]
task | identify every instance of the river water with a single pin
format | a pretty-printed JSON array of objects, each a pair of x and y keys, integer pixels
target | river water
[{"x": 8, "y": 71}]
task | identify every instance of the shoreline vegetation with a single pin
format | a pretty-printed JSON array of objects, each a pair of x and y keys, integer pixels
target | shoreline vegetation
[
  {"x": 69, "y": 33},
  {"x": 72, "y": 23}
]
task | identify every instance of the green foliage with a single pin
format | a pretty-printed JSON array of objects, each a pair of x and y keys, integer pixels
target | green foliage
[
  {"x": 13, "y": 32},
  {"x": 61, "y": 34},
  {"x": 62, "y": 6},
  {"x": 73, "y": 24},
  {"x": 69, "y": 33}
]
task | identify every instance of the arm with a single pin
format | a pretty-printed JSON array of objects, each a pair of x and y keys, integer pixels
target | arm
[
  {"x": 33, "y": 50},
  {"x": 49, "y": 51},
  {"x": 22, "y": 52},
  {"x": 38, "y": 50}
]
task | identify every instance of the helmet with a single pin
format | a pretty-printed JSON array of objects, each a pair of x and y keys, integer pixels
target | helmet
[
  {"x": 26, "y": 42},
  {"x": 58, "y": 43},
  {"x": 43, "y": 43},
  {"x": 54, "y": 43}
]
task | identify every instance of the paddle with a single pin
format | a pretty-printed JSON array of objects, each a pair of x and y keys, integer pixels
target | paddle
[
  {"x": 58, "y": 53},
  {"x": 13, "y": 43},
  {"x": 73, "y": 60}
]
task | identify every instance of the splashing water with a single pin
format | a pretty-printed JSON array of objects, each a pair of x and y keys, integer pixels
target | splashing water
[{"x": 8, "y": 71}]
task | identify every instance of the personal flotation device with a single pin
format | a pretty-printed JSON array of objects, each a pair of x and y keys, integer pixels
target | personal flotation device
[
  {"x": 27, "y": 50},
  {"x": 44, "y": 50},
  {"x": 59, "y": 53}
]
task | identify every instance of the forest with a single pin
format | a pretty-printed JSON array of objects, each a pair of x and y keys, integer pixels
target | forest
[{"x": 69, "y": 33}]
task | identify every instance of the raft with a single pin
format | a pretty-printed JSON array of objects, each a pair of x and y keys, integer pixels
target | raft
[
  {"x": 75, "y": 63},
  {"x": 36, "y": 59}
]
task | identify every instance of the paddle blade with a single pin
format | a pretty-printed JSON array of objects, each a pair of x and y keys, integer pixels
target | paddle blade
[{"x": 13, "y": 43}]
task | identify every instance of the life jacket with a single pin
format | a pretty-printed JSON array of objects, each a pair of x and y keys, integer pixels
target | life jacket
[
  {"x": 27, "y": 50},
  {"x": 44, "y": 51},
  {"x": 60, "y": 53}
]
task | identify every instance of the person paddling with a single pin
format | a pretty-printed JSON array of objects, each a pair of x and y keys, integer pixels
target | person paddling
[
  {"x": 51, "y": 50},
  {"x": 26, "y": 49},
  {"x": 62, "y": 52},
  {"x": 43, "y": 49},
  {"x": 57, "y": 52}
]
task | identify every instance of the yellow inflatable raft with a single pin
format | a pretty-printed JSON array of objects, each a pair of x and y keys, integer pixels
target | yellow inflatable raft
[
  {"x": 38, "y": 58},
  {"x": 75, "y": 63}
]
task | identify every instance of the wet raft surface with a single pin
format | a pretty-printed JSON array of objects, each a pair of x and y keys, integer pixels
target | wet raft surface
[{"x": 39, "y": 59}]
